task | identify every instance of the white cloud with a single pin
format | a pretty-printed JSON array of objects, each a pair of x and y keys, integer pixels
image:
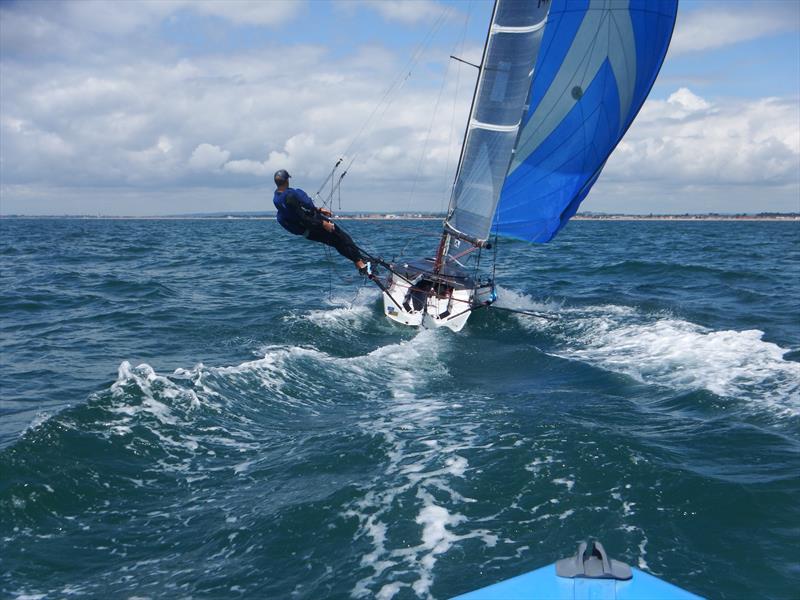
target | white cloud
[
  {"x": 687, "y": 140},
  {"x": 685, "y": 100},
  {"x": 72, "y": 27},
  {"x": 247, "y": 167},
  {"x": 404, "y": 11},
  {"x": 207, "y": 157},
  {"x": 408, "y": 12},
  {"x": 149, "y": 121},
  {"x": 164, "y": 144},
  {"x": 120, "y": 18},
  {"x": 122, "y": 119},
  {"x": 116, "y": 18},
  {"x": 298, "y": 151},
  {"x": 248, "y": 12},
  {"x": 723, "y": 24}
]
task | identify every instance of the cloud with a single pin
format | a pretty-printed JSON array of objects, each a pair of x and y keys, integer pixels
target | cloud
[
  {"x": 207, "y": 157},
  {"x": 138, "y": 116},
  {"x": 67, "y": 28},
  {"x": 684, "y": 100},
  {"x": 154, "y": 120},
  {"x": 724, "y": 24},
  {"x": 408, "y": 12},
  {"x": 298, "y": 151},
  {"x": 248, "y": 12},
  {"x": 687, "y": 140}
]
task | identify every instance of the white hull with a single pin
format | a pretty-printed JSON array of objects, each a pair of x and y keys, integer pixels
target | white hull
[{"x": 410, "y": 299}]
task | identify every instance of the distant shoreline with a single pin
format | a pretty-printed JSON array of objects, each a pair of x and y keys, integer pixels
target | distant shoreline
[{"x": 786, "y": 217}]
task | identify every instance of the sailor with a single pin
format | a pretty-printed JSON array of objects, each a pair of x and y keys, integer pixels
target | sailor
[{"x": 298, "y": 215}]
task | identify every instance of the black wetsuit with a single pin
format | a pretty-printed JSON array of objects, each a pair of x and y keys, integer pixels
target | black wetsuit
[{"x": 298, "y": 215}]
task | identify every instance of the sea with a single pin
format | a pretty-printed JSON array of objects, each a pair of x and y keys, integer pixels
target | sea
[{"x": 218, "y": 409}]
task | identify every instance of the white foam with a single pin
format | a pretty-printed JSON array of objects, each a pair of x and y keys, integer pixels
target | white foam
[
  {"x": 435, "y": 536},
  {"x": 660, "y": 349},
  {"x": 39, "y": 419},
  {"x": 627, "y": 508},
  {"x": 508, "y": 298},
  {"x": 342, "y": 313},
  {"x": 564, "y": 481},
  {"x": 424, "y": 458},
  {"x": 641, "y": 562},
  {"x": 456, "y": 465},
  {"x": 537, "y": 463},
  {"x": 150, "y": 384},
  {"x": 345, "y": 317},
  {"x": 243, "y": 467},
  {"x": 389, "y": 590}
]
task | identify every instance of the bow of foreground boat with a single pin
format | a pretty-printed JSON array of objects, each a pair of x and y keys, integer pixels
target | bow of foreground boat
[{"x": 590, "y": 573}]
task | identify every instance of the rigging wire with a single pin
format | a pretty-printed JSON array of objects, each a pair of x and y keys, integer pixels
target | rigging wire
[
  {"x": 328, "y": 178},
  {"x": 459, "y": 46},
  {"x": 427, "y": 137},
  {"x": 381, "y": 107},
  {"x": 386, "y": 100},
  {"x": 403, "y": 76},
  {"x": 450, "y": 182},
  {"x": 494, "y": 252}
]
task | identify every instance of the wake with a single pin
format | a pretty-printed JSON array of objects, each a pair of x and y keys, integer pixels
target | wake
[{"x": 658, "y": 348}]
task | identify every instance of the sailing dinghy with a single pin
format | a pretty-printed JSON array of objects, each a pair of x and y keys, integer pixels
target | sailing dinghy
[{"x": 559, "y": 84}]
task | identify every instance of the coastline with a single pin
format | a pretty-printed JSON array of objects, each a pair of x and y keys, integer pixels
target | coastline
[{"x": 789, "y": 217}]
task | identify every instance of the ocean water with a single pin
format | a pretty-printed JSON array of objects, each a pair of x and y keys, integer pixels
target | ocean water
[{"x": 216, "y": 409}]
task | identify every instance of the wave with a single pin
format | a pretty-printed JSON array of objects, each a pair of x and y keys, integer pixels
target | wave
[
  {"x": 342, "y": 313},
  {"x": 424, "y": 456},
  {"x": 423, "y": 453},
  {"x": 659, "y": 348},
  {"x": 508, "y": 298}
]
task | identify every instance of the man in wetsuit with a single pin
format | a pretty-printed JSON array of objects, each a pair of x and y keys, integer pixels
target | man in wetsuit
[{"x": 298, "y": 215}]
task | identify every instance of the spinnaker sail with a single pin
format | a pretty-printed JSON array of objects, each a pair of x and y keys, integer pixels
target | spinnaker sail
[{"x": 592, "y": 69}]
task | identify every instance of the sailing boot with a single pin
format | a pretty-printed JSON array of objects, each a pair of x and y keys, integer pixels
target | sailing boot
[{"x": 366, "y": 270}]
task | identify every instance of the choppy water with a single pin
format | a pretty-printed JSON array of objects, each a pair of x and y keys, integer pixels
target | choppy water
[{"x": 195, "y": 408}]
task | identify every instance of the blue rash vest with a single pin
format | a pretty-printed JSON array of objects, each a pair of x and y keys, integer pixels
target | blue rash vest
[{"x": 296, "y": 211}]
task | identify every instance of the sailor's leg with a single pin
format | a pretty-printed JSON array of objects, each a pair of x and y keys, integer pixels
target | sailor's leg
[
  {"x": 338, "y": 239},
  {"x": 346, "y": 246}
]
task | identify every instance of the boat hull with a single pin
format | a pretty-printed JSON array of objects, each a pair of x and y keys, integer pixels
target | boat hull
[{"x": 416, "y": 296}]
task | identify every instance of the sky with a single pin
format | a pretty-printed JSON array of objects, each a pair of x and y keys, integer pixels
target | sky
[{"x": 189, "y": 106}]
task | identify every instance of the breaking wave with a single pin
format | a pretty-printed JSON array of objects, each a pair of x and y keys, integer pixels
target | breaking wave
[{"x": 658, "y": 348}]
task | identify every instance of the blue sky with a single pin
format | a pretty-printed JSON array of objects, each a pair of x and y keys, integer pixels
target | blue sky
[{"x": 134, "y": 108}]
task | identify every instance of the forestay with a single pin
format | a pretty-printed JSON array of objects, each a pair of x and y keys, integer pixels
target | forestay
[
  {"x": 597, "y": 62},
  {"x": 514, "y": 37}
]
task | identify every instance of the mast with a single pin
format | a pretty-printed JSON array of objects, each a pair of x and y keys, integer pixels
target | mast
[{"x": 445, "y": 241}]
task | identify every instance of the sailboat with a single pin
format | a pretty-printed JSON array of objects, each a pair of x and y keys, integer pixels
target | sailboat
[{"x": 559, "y": 84}]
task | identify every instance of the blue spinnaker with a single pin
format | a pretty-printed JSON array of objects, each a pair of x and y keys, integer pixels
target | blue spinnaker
[{"x": 596, "y": 65}]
